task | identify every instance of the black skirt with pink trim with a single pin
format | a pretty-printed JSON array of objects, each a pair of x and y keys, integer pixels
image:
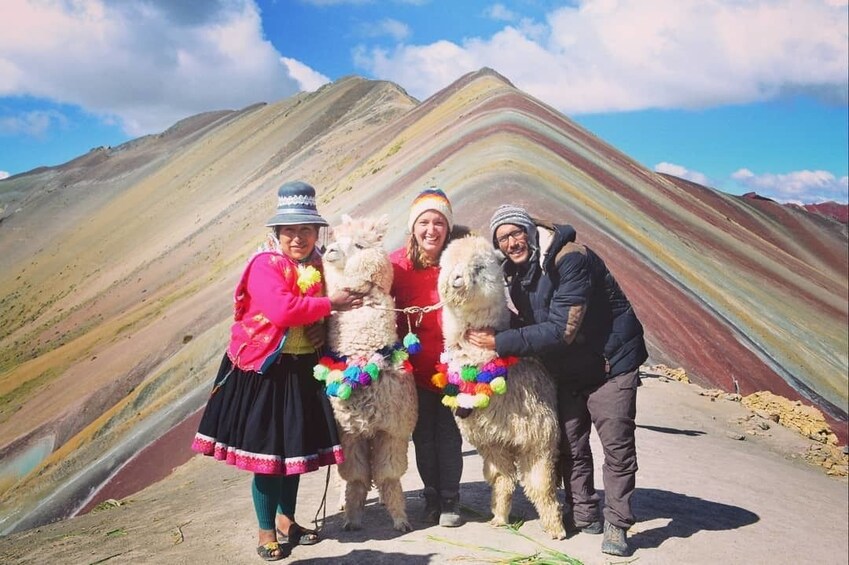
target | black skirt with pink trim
[{"x": 277, "y": 423}]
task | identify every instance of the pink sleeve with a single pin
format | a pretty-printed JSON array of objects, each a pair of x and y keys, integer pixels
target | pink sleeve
[{"x": 279, "y": 301}]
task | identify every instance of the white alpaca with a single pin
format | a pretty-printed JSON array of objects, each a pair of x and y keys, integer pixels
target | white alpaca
[
  {"x": 517, "y": 434},
  {"x": 376, "y": 421}
]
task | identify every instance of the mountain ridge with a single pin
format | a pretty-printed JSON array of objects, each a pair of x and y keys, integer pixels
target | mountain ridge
[{"x": 117, "y": 286}]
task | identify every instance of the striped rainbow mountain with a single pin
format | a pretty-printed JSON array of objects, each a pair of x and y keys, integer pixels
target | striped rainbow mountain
[{"x": 118, "y": 266}]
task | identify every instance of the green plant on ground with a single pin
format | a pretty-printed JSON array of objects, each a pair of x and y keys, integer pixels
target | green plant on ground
[{"x": 543, "y": 556}]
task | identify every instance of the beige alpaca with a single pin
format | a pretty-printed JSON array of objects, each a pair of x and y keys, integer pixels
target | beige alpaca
[
  {"x": 376, "y": 422},
  {"x": 517, "y": 434}
]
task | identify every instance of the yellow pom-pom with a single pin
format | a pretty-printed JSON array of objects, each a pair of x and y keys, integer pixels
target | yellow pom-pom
[
  {"x": 498, "y": 385},
  {"x": 307, "y": 276},
  {"x": 481, "y": 400},
  {"x": 449, "y": 401},
  {"x": 335, "y": 376}
]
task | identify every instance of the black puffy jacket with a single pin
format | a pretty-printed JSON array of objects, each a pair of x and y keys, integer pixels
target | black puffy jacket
[{"x": 571, "y": 313}]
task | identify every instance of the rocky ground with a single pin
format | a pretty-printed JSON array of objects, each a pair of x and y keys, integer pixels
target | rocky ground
[{"x": 718, "y": 483}]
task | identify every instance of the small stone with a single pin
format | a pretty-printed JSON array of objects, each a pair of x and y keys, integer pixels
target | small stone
[
  {"x": 767, "y": 415},
  {"x": 735, "y": 435},
  {"x": 763, "y": 424}
]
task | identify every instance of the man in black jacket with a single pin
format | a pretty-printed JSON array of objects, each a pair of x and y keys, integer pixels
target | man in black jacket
[{"x": 570, "y": 312}]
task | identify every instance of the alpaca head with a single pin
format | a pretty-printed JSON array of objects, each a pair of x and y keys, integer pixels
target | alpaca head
[
  {"x": 470, "y": 276},
  {"x": 355, "y": 257}
]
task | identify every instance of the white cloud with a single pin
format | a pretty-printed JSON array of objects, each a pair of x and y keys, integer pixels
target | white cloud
[
  {"x": 147, "y": 64},
  {"x": 600, "y": 55},
  {"x": 798, "y": 186},
  {"x": 387, "y": 27},
  {"x": 683, "y": 172},
  {"x": 308, "y": 79},
  {"x": 4, "y": 175},
  {"x": 444, "y": 63},
  {"x": 32, "y": 124},
  {"x": 500, "y": 12}
]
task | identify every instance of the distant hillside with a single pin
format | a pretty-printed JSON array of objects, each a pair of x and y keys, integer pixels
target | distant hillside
[
  {"x": 833, "y": 210},
  {"x": 839, "y": 212},
  {"x": 118, "y": 267}
]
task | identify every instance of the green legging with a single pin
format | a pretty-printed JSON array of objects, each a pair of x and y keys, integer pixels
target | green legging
[{"x": 274, "y": 494}]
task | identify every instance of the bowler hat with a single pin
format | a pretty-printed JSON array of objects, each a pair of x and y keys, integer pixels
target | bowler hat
[{"x": 296, "y": 205}]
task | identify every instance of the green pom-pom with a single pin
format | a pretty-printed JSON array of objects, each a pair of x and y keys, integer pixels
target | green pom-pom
[
  {"x": 399, "y": 356},
  {"x": 373, "y": 370},
  {"x": 344, "y": 391},
  {"x": 481, "y": 400},
  {"x": 320, "y": 372},
  {"x": 499, "y": 385},
  {"x": 469, "y": 373}
]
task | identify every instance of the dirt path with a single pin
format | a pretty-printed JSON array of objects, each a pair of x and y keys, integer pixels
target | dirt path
[{"x": 702, "y": 497}]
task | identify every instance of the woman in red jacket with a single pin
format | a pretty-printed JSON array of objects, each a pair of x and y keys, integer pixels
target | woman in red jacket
[
  {"x": 267, "y": 414},
  {"x": 436, "y": 438}
]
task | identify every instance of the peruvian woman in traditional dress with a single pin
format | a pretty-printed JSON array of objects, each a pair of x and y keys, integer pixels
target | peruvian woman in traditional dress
[{"x": 267, "y": 414}]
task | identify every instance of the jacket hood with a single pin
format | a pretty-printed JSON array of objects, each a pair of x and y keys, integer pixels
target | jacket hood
[{"x": 552, "y": 240}]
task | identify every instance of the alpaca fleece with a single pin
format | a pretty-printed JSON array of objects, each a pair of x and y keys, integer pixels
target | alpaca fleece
[
  {"x": 517, "y": 435},
  {"x": 376, "y": 422}
]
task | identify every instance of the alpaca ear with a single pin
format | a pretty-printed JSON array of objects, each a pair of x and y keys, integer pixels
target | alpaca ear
[{"x": 381, "y": 226}]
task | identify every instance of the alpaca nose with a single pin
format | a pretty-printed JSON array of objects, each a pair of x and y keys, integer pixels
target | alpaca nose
[
  {"x": 457, "y": 281},
  {"x": 331, "y": 255}
]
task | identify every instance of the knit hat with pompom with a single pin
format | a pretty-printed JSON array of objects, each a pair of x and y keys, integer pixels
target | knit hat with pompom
[{"x": 431, "y": 199}]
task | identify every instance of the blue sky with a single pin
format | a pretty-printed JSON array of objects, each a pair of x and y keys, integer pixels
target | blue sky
[{"x": 741, "y": 95}]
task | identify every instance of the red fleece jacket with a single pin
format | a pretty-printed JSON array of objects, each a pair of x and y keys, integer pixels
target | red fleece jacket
[{"x": 412, "y": 287}]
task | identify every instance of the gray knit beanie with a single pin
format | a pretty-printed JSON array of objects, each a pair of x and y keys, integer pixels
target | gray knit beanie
[{"x": 509, "y": 214}]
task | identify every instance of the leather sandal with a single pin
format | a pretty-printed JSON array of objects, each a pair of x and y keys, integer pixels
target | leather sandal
[
  {"x": 298, "y": 535},
  {"x": 270, "y": 551}
]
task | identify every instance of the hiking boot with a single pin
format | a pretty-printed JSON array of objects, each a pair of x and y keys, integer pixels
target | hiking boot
[
  {"x": 574, "y": 526},
  {"x": 430, "y": 514},
  {"x": 450, "y": 517},
  {"x": 593, "y": 528},
  {"x": 615, "y": 540}
]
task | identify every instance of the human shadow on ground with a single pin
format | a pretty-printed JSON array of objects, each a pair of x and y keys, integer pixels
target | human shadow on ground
[
  {"x": 370, "y": 556},
  {"x": 675, "y": 431},
  {"x": 686, "y": 514}
]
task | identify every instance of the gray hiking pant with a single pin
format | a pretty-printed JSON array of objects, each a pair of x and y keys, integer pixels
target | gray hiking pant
[
  {"x": 439, "y": 445},
  {"x": 611, "y": 408}
]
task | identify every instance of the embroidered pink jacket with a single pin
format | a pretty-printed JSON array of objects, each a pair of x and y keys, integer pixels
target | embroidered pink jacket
[{"x": 267, "y": 303}]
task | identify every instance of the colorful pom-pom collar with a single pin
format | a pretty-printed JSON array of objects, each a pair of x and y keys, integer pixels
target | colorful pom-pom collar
[
  {"x": 471, "y": 386},
  {"x": 342, "y": 375}
]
